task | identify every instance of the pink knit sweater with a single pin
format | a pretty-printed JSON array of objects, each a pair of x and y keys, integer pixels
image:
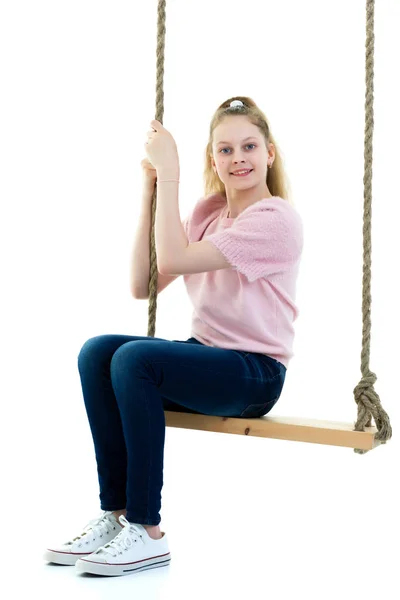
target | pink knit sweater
[{"x": 251, "y": 306}]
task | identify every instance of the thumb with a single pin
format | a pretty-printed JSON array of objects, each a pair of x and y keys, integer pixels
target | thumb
[{"x": 156, "y": 124}]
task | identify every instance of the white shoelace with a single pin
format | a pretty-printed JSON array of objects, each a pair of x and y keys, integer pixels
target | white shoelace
[
  {"x": 124, "y": 540},
  {"x": 97, "y": 526}
]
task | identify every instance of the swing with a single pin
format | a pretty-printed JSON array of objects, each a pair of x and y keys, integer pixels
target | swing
[{"x": 361, "y": 436}]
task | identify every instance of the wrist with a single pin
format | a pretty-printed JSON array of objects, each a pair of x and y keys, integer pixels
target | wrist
[{"x": 168, "y": 173}]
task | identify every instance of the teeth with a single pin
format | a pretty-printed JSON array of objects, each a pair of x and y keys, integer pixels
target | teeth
[{"x": 241, "y": 172}]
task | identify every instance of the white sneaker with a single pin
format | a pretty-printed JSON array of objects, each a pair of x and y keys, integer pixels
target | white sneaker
[
  {"x": 96, "y": 533},
  {"x": 132, "y": 550}
]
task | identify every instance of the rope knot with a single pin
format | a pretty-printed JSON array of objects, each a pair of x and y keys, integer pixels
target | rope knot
[
  {"x": 369, "y": 405},
  {"x": 365, "y": 386}
]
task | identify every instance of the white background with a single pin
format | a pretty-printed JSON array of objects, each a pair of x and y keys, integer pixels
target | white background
[{"x": 244, "y": 516}]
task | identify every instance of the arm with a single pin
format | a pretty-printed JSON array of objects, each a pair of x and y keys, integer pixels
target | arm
[
  {"x": 140, "y": 259},
  {"x": 171, "y": 240},
  {"x": 175, "y": 256}
]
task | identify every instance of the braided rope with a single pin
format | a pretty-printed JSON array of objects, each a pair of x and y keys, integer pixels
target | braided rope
[
  {"x": 368, "y": 402},
  {"x": 160, "y": 56}
]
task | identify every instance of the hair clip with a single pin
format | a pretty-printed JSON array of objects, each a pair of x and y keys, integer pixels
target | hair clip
[{"x": 236, "y": 103}]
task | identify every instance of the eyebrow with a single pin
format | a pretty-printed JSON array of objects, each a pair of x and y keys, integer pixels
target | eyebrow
[{"x": 251, "y": 137}]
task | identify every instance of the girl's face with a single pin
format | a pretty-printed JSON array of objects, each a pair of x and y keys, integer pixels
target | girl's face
[{"x": 237, "y": 145}]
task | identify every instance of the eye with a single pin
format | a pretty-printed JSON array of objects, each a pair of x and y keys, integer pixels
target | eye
[{"x": 245, "y": 146}]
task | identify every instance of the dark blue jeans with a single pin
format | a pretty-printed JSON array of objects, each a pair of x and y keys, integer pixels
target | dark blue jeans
[{"x": 128, "y": 382}]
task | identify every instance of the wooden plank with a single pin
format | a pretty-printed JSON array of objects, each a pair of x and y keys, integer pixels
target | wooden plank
[{"x": 331, "y": 433}]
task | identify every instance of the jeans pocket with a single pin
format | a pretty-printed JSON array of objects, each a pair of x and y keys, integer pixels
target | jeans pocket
[{"x": 272, "y": 368}]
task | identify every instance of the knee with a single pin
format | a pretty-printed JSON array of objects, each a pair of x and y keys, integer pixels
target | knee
[
  {"x": 129, "y": 354},
  {"x": 89, "y": 348}
]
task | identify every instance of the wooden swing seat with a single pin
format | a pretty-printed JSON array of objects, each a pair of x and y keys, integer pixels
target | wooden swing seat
[{"x": 331, "y": 433}]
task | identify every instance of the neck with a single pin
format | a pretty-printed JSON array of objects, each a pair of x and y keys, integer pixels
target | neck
[{"x": 239, "y": 200}]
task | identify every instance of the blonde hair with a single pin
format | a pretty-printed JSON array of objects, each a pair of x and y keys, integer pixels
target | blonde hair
[{"x": 277, "y": 180}]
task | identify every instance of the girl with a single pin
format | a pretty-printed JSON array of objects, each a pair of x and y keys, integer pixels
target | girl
[{"x": 239, "y": 252}]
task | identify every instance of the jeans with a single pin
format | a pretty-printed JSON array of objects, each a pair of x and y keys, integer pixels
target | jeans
[{"x": 128, "y": 382}]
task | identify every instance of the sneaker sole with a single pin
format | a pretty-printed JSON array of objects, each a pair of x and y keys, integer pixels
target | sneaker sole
[
  {"x": 63, "y": 558},
  {"x": 86, "y": 566}
]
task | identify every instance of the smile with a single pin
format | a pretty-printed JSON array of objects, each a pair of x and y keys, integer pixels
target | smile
[{"x": 242, "y": 173}]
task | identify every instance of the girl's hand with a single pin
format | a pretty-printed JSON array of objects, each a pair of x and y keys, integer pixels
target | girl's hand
[{"x": 161, "y": 148}]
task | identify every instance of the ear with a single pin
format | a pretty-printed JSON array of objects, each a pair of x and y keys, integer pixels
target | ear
[{"x": 271, "y": 151}]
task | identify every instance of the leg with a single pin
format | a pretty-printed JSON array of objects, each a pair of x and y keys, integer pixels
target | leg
[
  {"x": 104, "y": 418},
  {"x": 203, "y": 379}
]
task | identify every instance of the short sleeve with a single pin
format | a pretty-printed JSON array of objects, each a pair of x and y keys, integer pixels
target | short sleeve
[{"x": 265, "y": 239}]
